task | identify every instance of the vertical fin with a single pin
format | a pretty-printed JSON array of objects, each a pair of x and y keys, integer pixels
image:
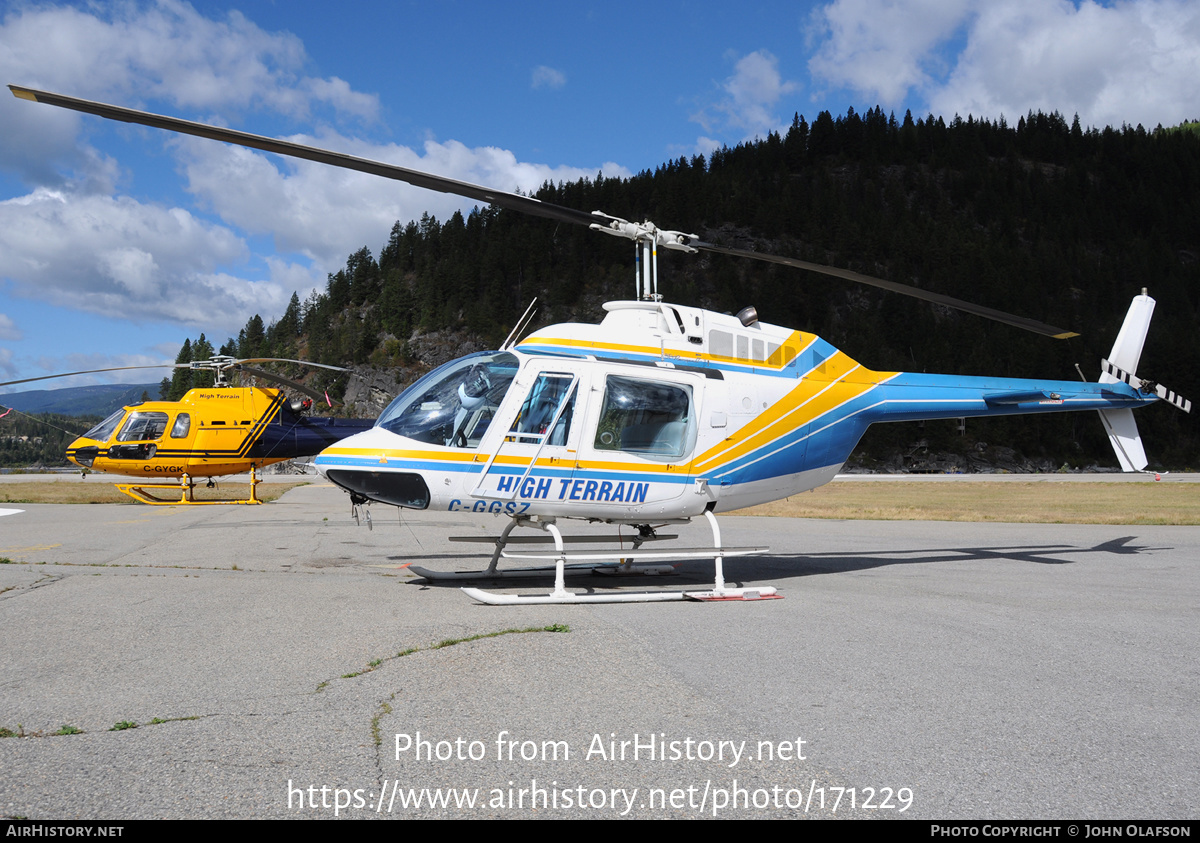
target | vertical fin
[
  {"x": 1127, "y": 350},
  {"x": 1126, "y": 441},
  {"x": 1126, "y": 353}
]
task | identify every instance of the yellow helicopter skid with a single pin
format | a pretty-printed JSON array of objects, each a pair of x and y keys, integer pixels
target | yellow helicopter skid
[{"x": 139, "y": 492}]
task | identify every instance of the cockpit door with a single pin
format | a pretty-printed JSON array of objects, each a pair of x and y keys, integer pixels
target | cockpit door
[{"x": 535, "y": 458}]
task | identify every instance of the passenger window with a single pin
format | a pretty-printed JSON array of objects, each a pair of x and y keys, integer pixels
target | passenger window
[
  {"x": 183, "y": 423},
  {"x": 552, "y": 397},
  {"x": 645, "y": 417}
]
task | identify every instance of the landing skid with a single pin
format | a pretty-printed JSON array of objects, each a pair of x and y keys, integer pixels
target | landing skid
[
  {"x": 493, "y": 599},
  {"x": 543, "y": 571},
  {"x": 628, "y": 562},
  {"x": 185, "y": 489}
]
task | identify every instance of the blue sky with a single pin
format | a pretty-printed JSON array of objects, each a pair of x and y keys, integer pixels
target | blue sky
[{"x": 118, "y": 242}]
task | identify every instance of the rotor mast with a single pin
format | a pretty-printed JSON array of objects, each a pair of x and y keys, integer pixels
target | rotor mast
[
  {"x": 218, "y": 364},
  {"x": 646, "y": 237}
]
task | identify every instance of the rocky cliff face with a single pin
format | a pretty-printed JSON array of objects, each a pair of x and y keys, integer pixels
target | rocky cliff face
[{"x": 371, "y": 388}]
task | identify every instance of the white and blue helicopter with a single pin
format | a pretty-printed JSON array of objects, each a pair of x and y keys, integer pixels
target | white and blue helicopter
[{"x": 659, "y": 414}]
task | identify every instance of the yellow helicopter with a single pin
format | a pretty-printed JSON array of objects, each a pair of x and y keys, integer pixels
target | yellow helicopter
[
  {"x": 659, "y": 414},
  {"x": 209, "y": 432}
]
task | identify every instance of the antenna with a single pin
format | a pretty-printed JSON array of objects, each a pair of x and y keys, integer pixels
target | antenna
[{"x": 519, "y": 328}]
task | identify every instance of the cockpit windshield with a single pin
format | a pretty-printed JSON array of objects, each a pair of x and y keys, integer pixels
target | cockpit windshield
[
  {"x": 105, "y": 429},
  {"x": 454, "y": 404}
]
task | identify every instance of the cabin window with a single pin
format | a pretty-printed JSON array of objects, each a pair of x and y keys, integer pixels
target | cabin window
[
  {"x": 143, "y": 426},
  {"x": 183, "y": 423},
  {"x": 720, "y": 343},
  {"x": 551, "y": 398},
  {"x": 454, "y": 404},
  {"x": 650, "y": 418}
]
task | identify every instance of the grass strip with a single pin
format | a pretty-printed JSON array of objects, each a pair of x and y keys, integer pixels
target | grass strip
[
  {"x": 1040, "y": 502},
  {"x": 97, "y": 490}
]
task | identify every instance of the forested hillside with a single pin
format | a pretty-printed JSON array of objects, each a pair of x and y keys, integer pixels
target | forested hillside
[
  {"x": 1042, "y": 219},
  {"x": 36, "y": 441}
]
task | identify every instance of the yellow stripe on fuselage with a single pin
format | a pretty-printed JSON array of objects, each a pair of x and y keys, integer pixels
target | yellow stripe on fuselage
[
  {"x": 261, "y": 425},
  {"x": 385, "y": 454},
  {"x": 836, "y": 381},
  {"x": 384, "y": 457}
]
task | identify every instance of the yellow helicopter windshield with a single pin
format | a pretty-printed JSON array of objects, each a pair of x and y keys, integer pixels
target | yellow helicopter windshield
[
  {"x": 454, "y": 404},
  {"x": 105, "y": 429}
]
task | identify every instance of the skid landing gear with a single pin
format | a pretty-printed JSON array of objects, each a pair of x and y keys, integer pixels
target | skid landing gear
[
  {"x": 619, "y": 566},
  {"x": 620, "y": 561},
  {"x": 185, "y": 489}
]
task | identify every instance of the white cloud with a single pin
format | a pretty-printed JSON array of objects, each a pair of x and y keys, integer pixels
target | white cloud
[
  {"x": 884, "y": 48},
  {"x": 166, "y": 350},
  {"x": 45, "y": 365},
  {"x": 1125, "y": 61},
  {"x": 548, "y": 77},
  {"x": 166, "y": 52},
  {"x": 1131, "y": 62},
  {"x": 706, "y": 146},
  {"x": 70, "y": 241},
  {"x": 8, "y": 328},
  {"x": 747, "y": 101},
  {"x": 73, "y": 241},
  {"x": 80, "y": 362},
  {"x": 170, "y": 52},
  {"x": 7, "y": 368},
  {"x": 324, "y": 212},
  {"x": 122, "y": 258}
]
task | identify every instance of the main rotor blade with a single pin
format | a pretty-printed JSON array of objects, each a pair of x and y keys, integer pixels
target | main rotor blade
[
  {"x": 199, "y": 365},
  {"x": 289, "y": 360},
  {"x": 904, "y": 289},
  {"x": 503, "y": 199},
  {"x": 441, "y": 184},
  {"x": 96, "y": 371},
  {"x": 282, "y": 381}
]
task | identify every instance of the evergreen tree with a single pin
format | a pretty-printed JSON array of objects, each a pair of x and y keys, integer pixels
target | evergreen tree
[{"x": 181, "y": 380}]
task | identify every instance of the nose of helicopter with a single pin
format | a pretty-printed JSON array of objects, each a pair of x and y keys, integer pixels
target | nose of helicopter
[
  {"x": 355, "y": 465},
  {"x": 83, "y": 451}
]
